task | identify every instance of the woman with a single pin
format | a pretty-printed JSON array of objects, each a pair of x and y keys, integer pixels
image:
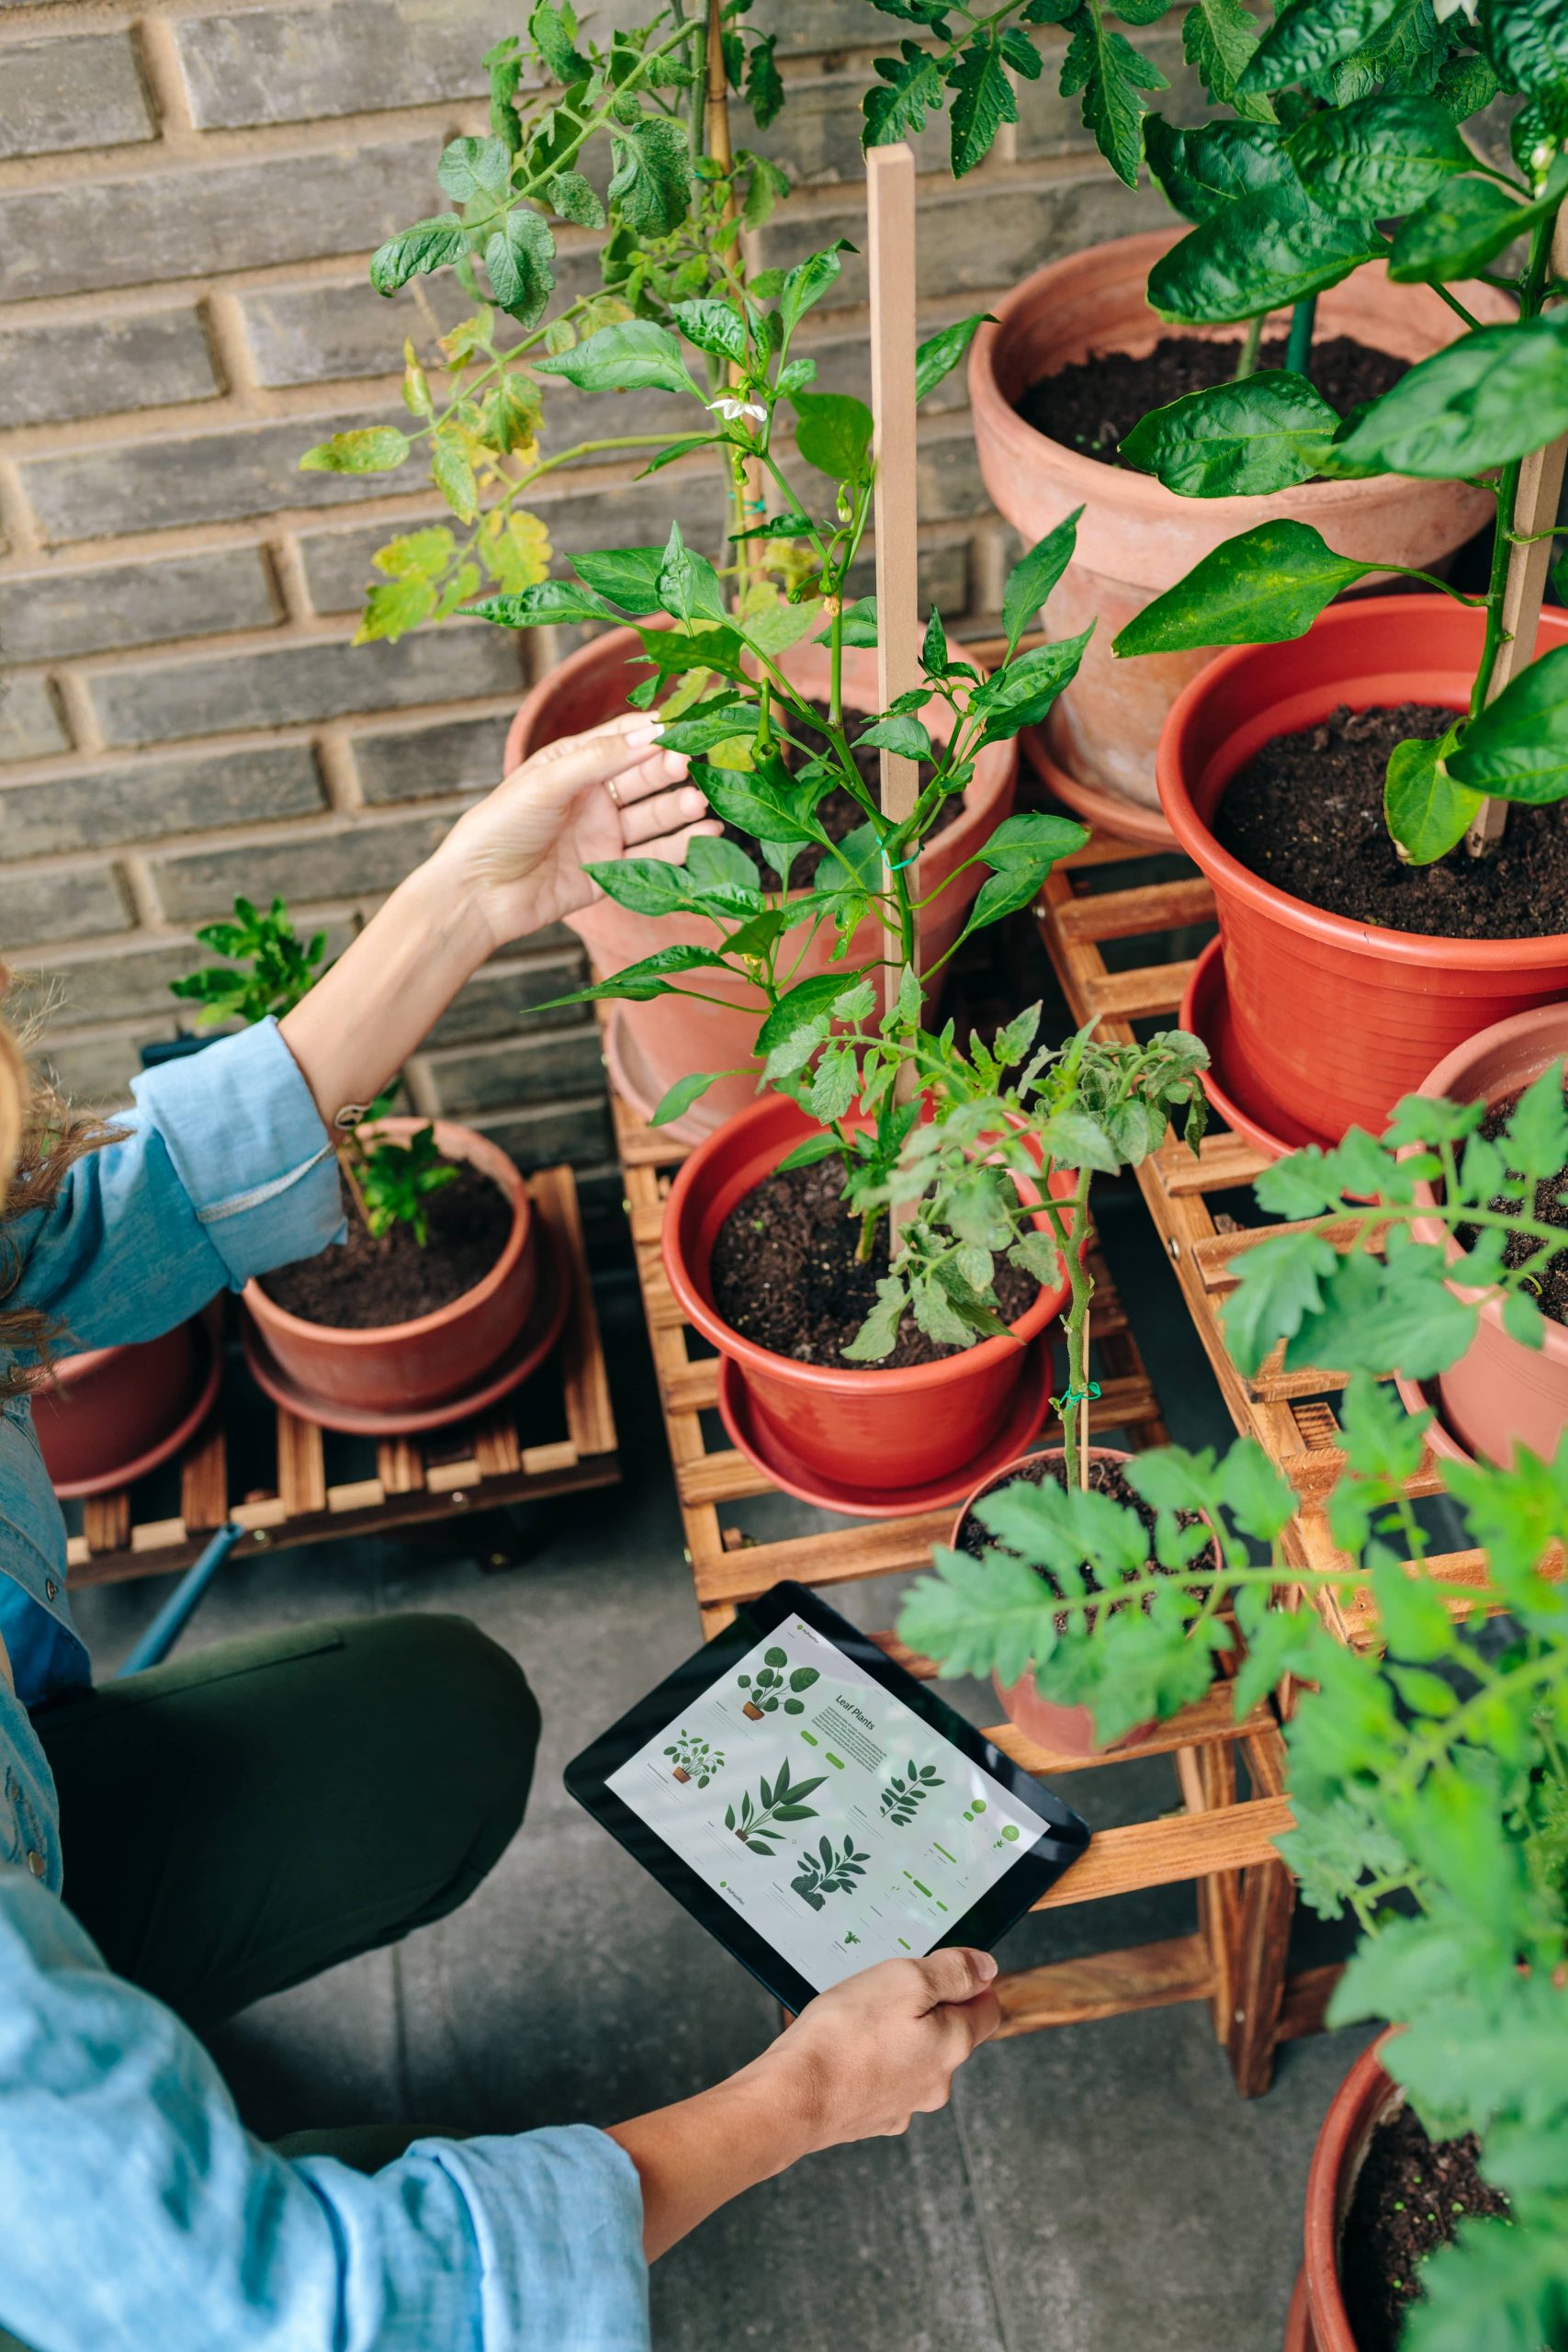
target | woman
[{"x": 228, "y": 1825}]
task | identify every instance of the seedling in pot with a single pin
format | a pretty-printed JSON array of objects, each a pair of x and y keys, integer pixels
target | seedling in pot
[
  {"x": 695, "y": 1760},
  {"x": 757, "y": 1822},
  {"x": 831, "y": 1870},
  {"x": 907, "y": 1791},
  {"x": 769, "y": 1688}
]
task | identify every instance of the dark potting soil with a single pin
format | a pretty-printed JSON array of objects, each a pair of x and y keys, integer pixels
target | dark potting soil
[
  {"x": 839, "y": 813},
  {"x": 1093, "y": 404},
  {"x": 1550, "y": 1277},
  {"x": 1410, "y": 2196},
  {"x": 1104, "y": 1478},
  {"x": 360, "y": 1285},
  {"x": 1307, "y": 815},
  {"x": 784, "y": 1272}
]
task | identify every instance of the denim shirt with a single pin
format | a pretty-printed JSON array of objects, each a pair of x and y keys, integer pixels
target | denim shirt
[{"x": 135, "y": 2210}]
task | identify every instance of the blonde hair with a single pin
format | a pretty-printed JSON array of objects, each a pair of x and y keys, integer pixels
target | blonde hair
[{"x": 41, "y": 1139}]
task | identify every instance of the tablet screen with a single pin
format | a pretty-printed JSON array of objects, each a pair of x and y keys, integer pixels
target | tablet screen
[{"x": 841, "y": 1826}]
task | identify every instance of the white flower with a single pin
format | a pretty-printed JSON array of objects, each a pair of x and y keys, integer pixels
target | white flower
[
  {"x": 1443, "y": 9},
  {"x": 733, "y": 410}
]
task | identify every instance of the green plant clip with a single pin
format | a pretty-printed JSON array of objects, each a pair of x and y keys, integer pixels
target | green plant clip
[{"x": 1075, "y": 1397}]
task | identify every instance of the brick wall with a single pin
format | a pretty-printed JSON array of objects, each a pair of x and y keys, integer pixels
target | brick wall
[{"x": 188, "y": 197}]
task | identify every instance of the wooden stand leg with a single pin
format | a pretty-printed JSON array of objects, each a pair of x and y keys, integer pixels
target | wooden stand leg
[{"x": 1268, "y": 1906}]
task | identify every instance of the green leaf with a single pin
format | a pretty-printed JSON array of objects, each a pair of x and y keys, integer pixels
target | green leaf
[
  {"x": 1496, "y": 394},
  {"x": 712, "y": 326},
  {"x": 982, "y": 101},
  {"x": 688, "y": 585},
  {"x": 547, "y": 602},
  {"x": 474, "y": 167},
  {"x": 1457, "y": 232},
  {"x": 941, "y": 352},
  {"x": 1218, "y": 37},
  {"x": 1527, "y": 41},
  {"x": 768, "y": 804},
  {"x": 1517, "y": 749},
  {"x": 1260, "y": 588},
  {"x": 1258, "y": 254},
  {"x": 857, "y": 624},
  {"x": 392, "y": 607},
  {"x": 413, "y": 253},
  {"x": 628, "y": 576},
  {"x": 764, "y": 84},
  {"x": 808, "y": 282},
  {"x": 574, "y": 199},
  {"x": 1378, "y": 157},
  {"x": 802, "y": 1004},
  {"x": 1428, "y": 812},
  {"x": 1203, "y": 170},
  {"x": 681, "y": 1097},
  {"x": 908, "y": 89},
  {"x": 806, "y": 1154},
  {"x": 1035, "y": 575},
  {"x": 1279, "y": 1280},
  {"x": 1235, "y": 440},
  {"x": 551, "y": 30},
  {"x": 454, "y": 475},
  {"x": 517, "y": 263},
  {"x": 652, "y": 185},
  {"x": 651, "y": 976},
  {"x": 900, "y": 732},
  {"x": 1306, "y": 39},
  {"x": 705, "y": 730},
  {"x": 1112, "y": 77},
  {"x": 833, "y": 433},
  {"x": 631, "y": 354},
  {"x": 648, "y": 886},
  {"x": 1021, "y": 694},
  {"x": 370, "y": 449}
]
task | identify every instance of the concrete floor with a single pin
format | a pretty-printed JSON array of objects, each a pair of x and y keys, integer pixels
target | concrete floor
[{"x": 1086, "y": 2190}]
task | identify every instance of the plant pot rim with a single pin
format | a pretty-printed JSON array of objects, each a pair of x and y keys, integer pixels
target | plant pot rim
[
  {"x": 1123, "y": 487},
  {"x": 1262, "y": 897},
  {"x": 1019, "y": 1464},
  {"x": 848, "y": 1380},
  {"x": 1358, "y": 2106},
  {"x": 1450, "y": 1078},
  {"x": 455, "y": 1142}
]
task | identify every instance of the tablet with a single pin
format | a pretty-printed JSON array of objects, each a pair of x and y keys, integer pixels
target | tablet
[{"x": 816, "y": 1807}]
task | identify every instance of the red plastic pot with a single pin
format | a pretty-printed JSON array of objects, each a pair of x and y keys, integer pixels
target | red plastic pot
[
  {"x": 112, "y": 1414},
  {"x": 1333, "y": 1020},
  {"x": 407, "y": 1366},
  {"x": 1502, "y": 1394},
  {"x": 851, "y": 1424},
  {"x": 1319, "y": 2320},
  {"x": 651, "y": 1045},
  {"x": 1064, "y": 1730}
]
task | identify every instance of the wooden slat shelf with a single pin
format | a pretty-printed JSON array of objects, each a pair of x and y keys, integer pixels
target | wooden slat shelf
[
  {"x": 554, "y": 1435},
  {"x": 1220, "y": 1841}
]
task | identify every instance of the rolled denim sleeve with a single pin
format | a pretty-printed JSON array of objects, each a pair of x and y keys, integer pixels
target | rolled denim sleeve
[
  {"x": 224, "y": 1170},
  {"x": 136, "y": 2211}
]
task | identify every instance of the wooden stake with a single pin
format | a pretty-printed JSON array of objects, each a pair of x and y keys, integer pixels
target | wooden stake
[
  {"x": 890, "y": 194},
  {"x": 1535, "y": 509}
]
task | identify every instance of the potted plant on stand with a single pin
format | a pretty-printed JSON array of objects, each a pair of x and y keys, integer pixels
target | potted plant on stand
[
  {"x": 441, "y": 1299},
  {"x": 1427, "y": 1774},
  {"x": 1344, "y": 777},
  {"x": 1283, "y": 194}
]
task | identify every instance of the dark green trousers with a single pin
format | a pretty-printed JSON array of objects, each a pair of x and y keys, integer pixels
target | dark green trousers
[{"x": 238, "y": 1820}]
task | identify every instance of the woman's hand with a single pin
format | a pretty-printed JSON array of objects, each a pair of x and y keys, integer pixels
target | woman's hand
[{"x": 578, "y": 802}]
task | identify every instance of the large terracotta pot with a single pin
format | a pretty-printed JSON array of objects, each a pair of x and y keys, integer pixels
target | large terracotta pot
[
  {"x": 1501, "y": 1394},
  {"x": 1332, "y": 1021},
  {"x": 653, "y": 1044},
  {"x": 1063, "y": 1730},
  {"x": 408, "y": 1366},
  {"x": 1135, "y": 537},
  {"x": 851, "y": 1424},
  {"x": 112, "y": 1414},
  {"x": 1319, "y": 2320}
]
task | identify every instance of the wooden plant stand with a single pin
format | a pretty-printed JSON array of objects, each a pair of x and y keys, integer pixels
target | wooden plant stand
[
  {"x": 495, "y": 1459},
  {"x": 1221, "y": 1840}
]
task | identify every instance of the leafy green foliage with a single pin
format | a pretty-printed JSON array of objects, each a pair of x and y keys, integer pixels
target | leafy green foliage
[
  {"x": 697, "y": 1758},
  {"x": 906, "y": 1793},
  {"x": 272, "y": 967},
  {"x": 1264, "y": 433},
  {"x": 1267, "y": 585},
  {"x": 759, "y": 1821},
  {"x": 831, "y": 1870},
  {"x": 397, "y": 1178},
  {"x": 772, "y": 1687}
]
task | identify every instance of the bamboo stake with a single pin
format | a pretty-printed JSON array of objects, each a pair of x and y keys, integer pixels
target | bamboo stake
[
  {"x": 1535, "y": 510},
  {"x": 890, "y": 193}
]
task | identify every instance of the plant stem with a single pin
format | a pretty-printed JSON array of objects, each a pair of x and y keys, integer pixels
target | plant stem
[
  {"x": 1303, "y": 322},
  {"x": 1250, "y": 342},
  {"x": 1074, "y": 1447}
]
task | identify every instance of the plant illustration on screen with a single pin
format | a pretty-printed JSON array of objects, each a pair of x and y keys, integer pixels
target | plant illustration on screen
[
  {"x": 693, "y": 1760},
  {"x": 831, "y": 1870},
  {"x": 908, "y": 1792},
  {"x": 769, "y": 1687},
  {"x": 756, "y": 1821}
]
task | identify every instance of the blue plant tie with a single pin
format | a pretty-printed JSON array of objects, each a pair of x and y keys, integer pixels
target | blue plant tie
[
  {"x": 903, "y": 862},
  {"x": 1075, "y": 1397}
]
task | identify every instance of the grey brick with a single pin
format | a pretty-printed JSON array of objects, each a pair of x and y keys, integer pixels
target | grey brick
[
  {"x": 183, "y": 222},
  {"x": 817, "y": 136},
  {"x": 501, "y": 1002},
  {"x": 823, "y": 24},
  {"x": 146, "y": 359},
  {"x": 120, "y": 986},
  {"x": 948, "y": 478},
  {"x": 352, "y": 861},
  {"x": 41, "y": 906},
  {"x": 1051, "y": 125},
  {"x": 423, "y": 763},
  {"x": 151, "y": 799},
  {"x": 577, "y": 1131},
  {"x": 30, "y": 724},
  {"x": 94, "y": 1073},
  {"x": 78, "y": 90},
  {"x": 45, "y": 616},
  {"x": 942, "y": 574},
  {"x": 101, "y": 492},
  {"x": 163, "y": 702},
  {"x": 535, "y": 1069},
  {"x": 297, "y": 64}
]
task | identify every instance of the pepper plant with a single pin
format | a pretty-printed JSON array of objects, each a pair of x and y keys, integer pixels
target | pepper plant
[
  {"x": 613, "y": 135},
  {"x": 1429, "y": 1776},
  {"x": 1388, "y": 175}
]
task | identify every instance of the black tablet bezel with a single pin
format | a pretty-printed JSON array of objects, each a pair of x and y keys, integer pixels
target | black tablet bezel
[{"x": 587, "y": 1777}]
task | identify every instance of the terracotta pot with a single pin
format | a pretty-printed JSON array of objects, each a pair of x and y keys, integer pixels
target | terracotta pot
[
  {"x": 1501, "y": 1394},
  {"x": 653, "y": 1044},
  {"x": 1318, "y": 2321},
  {"x": 851, "y": 1424},
  {"x": 112, "y": 1413},
  {"x": 408, "y": 1366},
  {"x": 1333, "y": 1020},
  {"x": 1066, "y": 1731},
  {"x": 1135, "y": 537}
]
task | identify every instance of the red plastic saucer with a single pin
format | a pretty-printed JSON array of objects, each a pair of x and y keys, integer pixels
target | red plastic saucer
[
  {"x": 108, "y": 1482},
  {"x": 528, "y": 1351},
  {"x": 1097, "y": 804},
  {"x": 1014, "y": 1435},
  {"x": 1205, "y": 1010},
  {"x": 1421, "y": 1397}
]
